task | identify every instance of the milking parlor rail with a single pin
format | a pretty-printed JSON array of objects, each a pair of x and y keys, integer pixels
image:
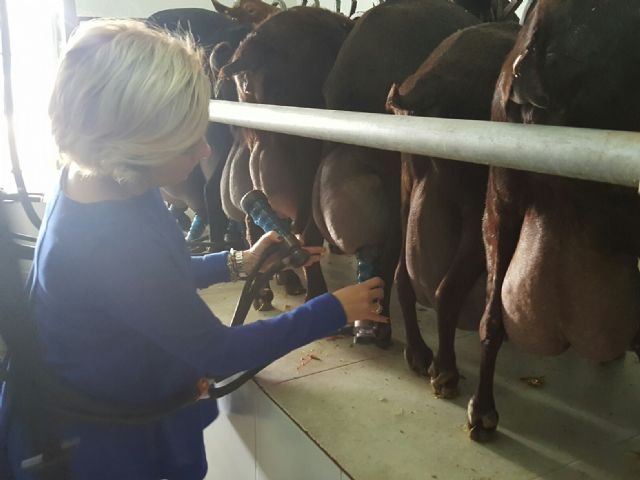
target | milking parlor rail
[{"x": 600, "y": 155}]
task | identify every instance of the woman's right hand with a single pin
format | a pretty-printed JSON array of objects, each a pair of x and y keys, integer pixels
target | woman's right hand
[{"x": 362, "y": 301}]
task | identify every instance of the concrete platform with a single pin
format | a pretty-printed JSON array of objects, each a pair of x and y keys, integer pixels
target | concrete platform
[{"x": 331, "y": 410}]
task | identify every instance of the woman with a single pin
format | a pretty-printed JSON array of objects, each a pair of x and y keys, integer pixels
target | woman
[{"x": 117, "y": 313}]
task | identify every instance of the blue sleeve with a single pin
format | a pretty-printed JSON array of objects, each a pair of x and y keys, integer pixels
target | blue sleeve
[
  {"x": 150, "y": 295},
  {"x": 211, "y": 268}
]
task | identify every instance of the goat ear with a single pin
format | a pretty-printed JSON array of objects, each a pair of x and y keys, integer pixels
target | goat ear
[
  {"x": 394, "y": 101},
  {"x": 233, "y": 68},
  {"x": 502, "y": 98},
  {"x": 220, "y": 8},
  {"x": 247, "y": 57},
  {"x": 220, "y": 56}
]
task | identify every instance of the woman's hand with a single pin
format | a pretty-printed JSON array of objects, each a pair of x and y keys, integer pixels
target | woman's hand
[
  {"x": 250, "y": 257},
  {"x": 363, "y": 301}
]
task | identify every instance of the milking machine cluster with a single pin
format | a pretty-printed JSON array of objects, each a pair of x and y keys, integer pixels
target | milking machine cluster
[
  {"x": 289, "y": 253},
  {"x": 256, "y": 205}
]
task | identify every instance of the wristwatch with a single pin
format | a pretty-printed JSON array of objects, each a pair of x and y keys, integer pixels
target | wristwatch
[{"x": 235, "y": 262}]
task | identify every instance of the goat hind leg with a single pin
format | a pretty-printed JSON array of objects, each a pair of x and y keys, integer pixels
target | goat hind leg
[
  {"x": 465, "y": 269},
  {"x": 417, "y": 353}
]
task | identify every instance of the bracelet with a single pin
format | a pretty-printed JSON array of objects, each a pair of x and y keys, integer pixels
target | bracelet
[{"x": 235, "y": 264}]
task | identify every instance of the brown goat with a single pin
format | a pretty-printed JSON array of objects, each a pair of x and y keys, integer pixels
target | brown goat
[
  {"x": 202, "y": 190},
  {"x": 357, "y": 190},
  {"x": 285, "y": 62},
  {"x": 443, "y": 261},
  {"x": 561, "y": 253},
  {"x": 236, "y": 180}
]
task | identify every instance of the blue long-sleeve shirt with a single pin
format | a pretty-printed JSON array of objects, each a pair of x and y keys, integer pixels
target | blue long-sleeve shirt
[{"x": 115, "y": 303}]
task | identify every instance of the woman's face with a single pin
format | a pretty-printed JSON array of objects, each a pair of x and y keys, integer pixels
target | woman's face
[{"x": 177, "y": 170}]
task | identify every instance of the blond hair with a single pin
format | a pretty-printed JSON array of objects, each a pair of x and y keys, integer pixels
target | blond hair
[{"x": 128, "y": 96}]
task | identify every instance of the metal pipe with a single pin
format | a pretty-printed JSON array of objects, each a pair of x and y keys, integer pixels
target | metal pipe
[{"x": 599, "y": 155}]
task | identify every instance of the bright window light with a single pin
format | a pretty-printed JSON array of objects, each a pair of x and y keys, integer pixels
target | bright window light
[{"x": 34, "y": 27}]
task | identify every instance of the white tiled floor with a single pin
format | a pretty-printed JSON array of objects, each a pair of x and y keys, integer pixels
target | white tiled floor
[
  {"x": 253, "y": 439},
  {"x": 231, "y": 440},
  {"x": 378, "y": 420},
  {"x": 284, "y": 450}
]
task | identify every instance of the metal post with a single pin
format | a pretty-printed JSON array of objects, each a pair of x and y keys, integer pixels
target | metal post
[{"x": 599, "y": 155}]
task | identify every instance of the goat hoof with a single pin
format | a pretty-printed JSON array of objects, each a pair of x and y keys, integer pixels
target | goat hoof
[
  {"x": 445, "y": 384},
  {"x": 444, "y": 381},
  {"x": 481, "y": 425},
  {"x": 418, "y": 358},
  {"x": 291, "y": 282},
  {"x": 262, "y": 302}
]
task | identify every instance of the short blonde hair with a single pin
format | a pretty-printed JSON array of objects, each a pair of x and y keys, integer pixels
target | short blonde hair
[{"x": 128, "y": 96}]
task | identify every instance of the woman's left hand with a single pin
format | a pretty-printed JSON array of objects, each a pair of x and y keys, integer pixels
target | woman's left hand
[{"x": 251, "y": 256}]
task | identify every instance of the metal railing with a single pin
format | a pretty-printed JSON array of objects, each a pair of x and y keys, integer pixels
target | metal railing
[{"x": 589, "y": 154}]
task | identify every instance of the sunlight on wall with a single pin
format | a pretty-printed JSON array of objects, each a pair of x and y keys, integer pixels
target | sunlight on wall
[{"x": 35, "y": 38}]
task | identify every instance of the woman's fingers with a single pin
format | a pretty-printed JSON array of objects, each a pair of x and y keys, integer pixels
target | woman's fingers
[
  {"x": 264, "y": 242},
  {"x": 363, "y": 301},
  {"x": 374, "y": 317},
  {"x": 373, "y": 309},
  {"x": 316, "y": 250},
  {"x": 270, "y": 238},
  {"x": 373, "y": 312},
  {"x": 375, "y": 282},
  {"x": 316, "y": 254},
  {"x": 375, "y": 295}
]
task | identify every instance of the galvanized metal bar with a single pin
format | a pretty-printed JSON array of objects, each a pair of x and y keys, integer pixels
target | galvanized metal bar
[{"x": 599, "y": 155}]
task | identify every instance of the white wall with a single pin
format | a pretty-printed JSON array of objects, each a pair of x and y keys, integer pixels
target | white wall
[
  {"x": 144, "y": 8},
  {"x": 133, "y": 8}
]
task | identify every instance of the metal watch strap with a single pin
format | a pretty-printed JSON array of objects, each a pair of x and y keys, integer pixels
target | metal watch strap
[{"x": 237, "y": 260}]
